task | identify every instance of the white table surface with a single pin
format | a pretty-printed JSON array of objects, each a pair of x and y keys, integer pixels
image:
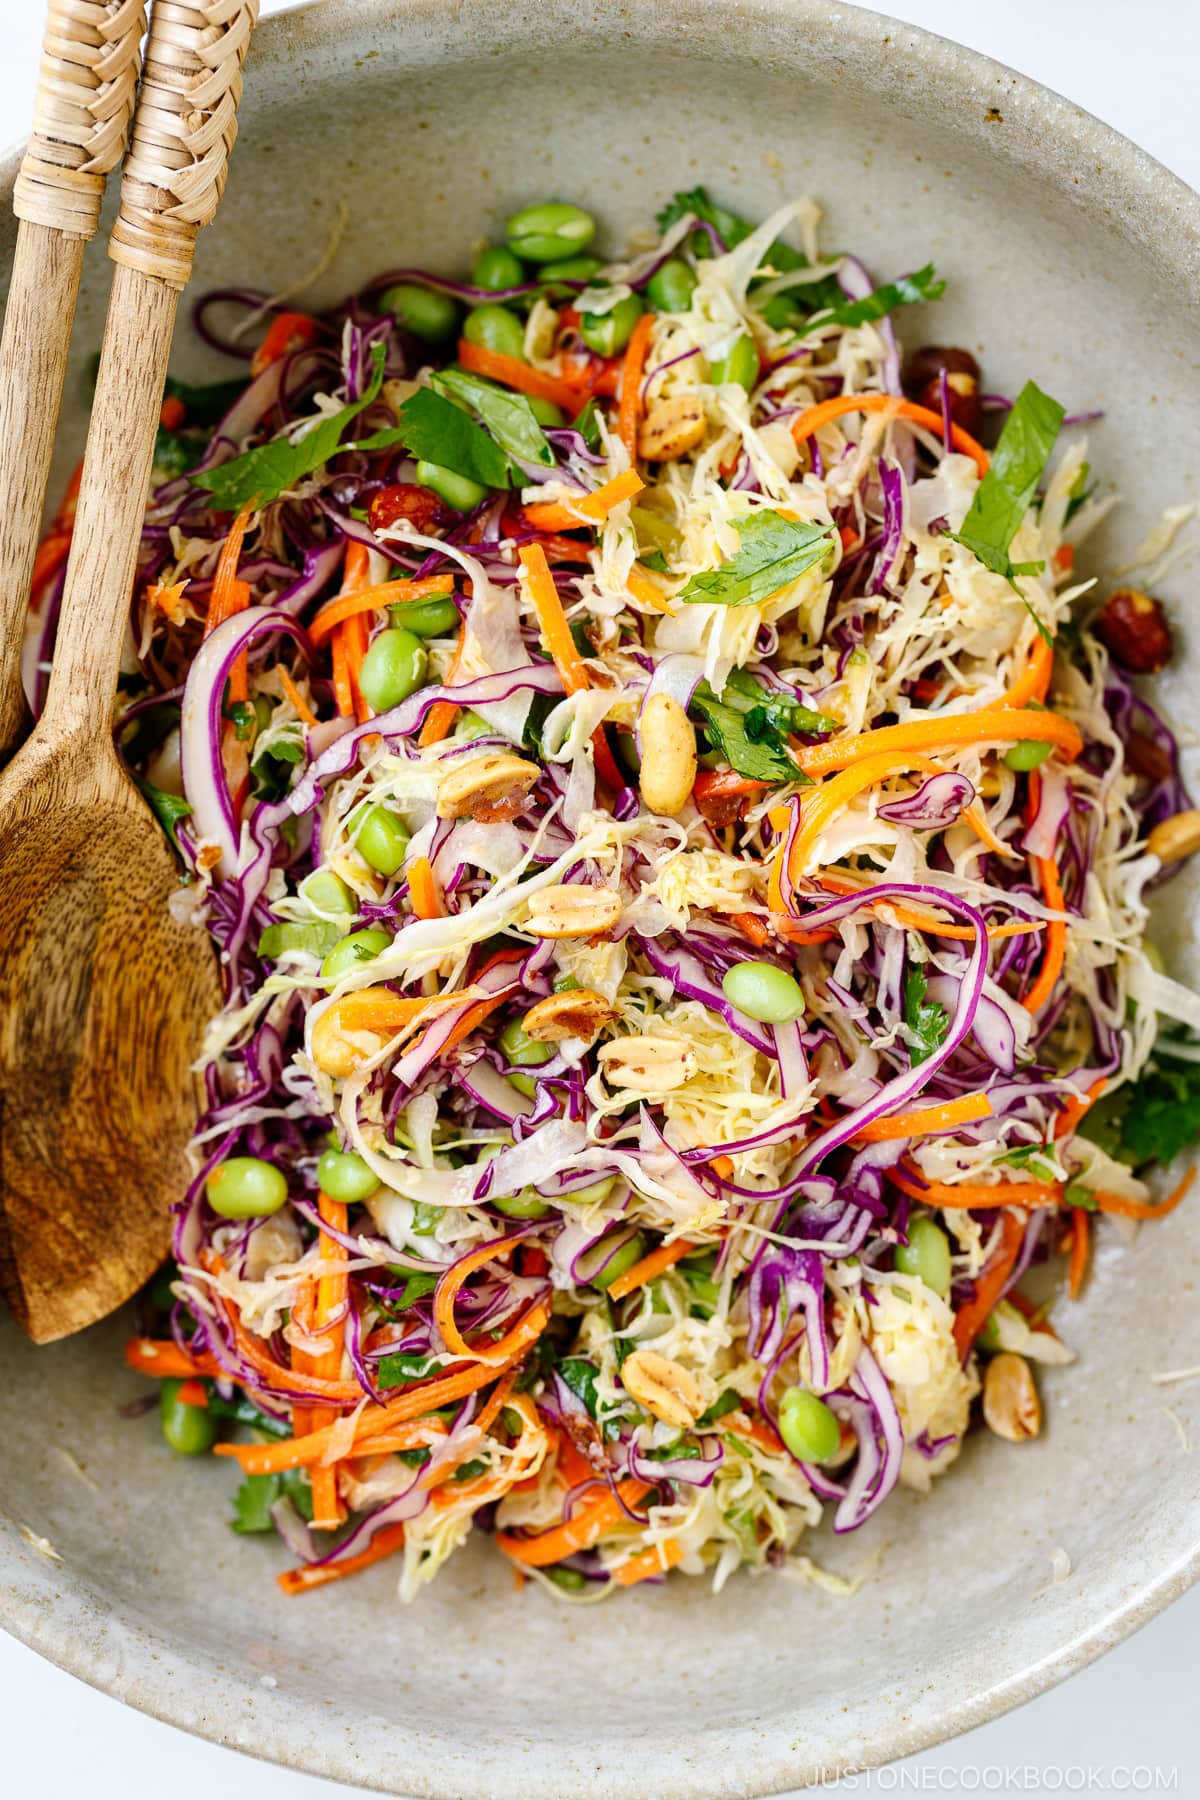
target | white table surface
[{"x": 1126, "y": 1725}]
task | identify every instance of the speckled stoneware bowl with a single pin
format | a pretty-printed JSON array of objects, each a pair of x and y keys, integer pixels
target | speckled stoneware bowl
[{"x": 1070, "y": 257}]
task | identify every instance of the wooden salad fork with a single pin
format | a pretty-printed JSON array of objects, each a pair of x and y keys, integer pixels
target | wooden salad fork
[{"x": 105, "y": 989}]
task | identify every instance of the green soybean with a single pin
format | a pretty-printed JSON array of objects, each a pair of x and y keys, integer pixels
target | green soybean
[
  {"x": 572, "y": 1581},
  {"x": 423, "y": 311},
  {"x": 326, "y": 892},
  {"x": 808, "y": 1427},
  {"x": 393, "y": 668},
  {"x": 458, "y": 491},
  {"x": 594, "y": 1192},
  {"x": 381, "y": 840},
  {"x": 550, "y": 232},
  {"x": 763, "y": 992},
  {"x": 493, "y": 327},
  {"x": 926, "y": 1255},
  {"x": 245, "y": 1187},
  {"x": 525, "y": 1205},
  {"x": 740, "y": 366},
  {"x": 1028, "y": 754},
  {"x": 671, "y": 287},
  {"x": 546, "y": 413},
  {"x": 631, "y": 1251},
  {"x": 496, "y": 268},
  {"x": 425, "y": 618},
  {"x": 606, "y": 333},
  {"x": 359, "y": 947},
  {"x": 189, "y": 1429},
  {"x": 345, "y": 1176},
  {"x": 519, "y": 1048}
]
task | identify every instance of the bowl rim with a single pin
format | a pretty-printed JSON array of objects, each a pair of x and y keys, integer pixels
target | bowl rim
[{"x": 1154, "y": 207}]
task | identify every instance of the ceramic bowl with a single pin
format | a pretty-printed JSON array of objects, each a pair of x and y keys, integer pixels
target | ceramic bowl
[{"x": 1069, "y": 257}]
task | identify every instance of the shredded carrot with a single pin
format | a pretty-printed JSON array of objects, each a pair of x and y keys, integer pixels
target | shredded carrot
[
  {"x": 446, "y": 1292},
  {"x": 665, "y": 1257},
  {"x": 314, "y": 1575},
  {"x": 991, "y": 725},
  {"x": 303, "y": 710},
  {"x": 1080, "y": 1242},
  {"x": 287, "y": 331},
  {"x": 915, "y": 918},
  {"x": 590, "y": 509},
  {"x": 977, "y": 1193},
  {"x": 815, "y": 416},
  {"x": 974, "y": 1314},
  {"x": 579, "y": 1532},
  {"x": 976, "y": 818},
  {"x": 757, "y": 1430},
  {"x": 943, "y": 1117},
  {"x": 423, "y": 889},
  {"x": 631, "y": 383},
  {"x": 193, "y": 1393},
  {"x": 604, "y": 761},
  {"x": 511, "y": 372},
  {"x": 1144, "y": 1209},
  {"x": 1068, "y": 1119},
  {"x": 1033, "y": 682},
  {"x": 439, "y": 720},
  {"x": 343, "y": 693},
  {"x": 722, "y": 1166},
  {"x": 644, "y": 588},
  {"x": 172, "y": 413},
  {"x": 497, "y": 1399},
  {"x": 552, "y": 618},
  {"x": 648, "y": 1563},
  {"x": 373, "y": 599},
  {"x": 163, "y": 1357},
  {"x": 1056, "y": 937},
  {"x": 229, "y": 596},
  {"x": 848, "y": 536}
]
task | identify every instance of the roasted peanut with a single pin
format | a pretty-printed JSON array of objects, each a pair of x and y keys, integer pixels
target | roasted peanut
[
  {"x": 668, "y": 755},
  {"x": 923, "y": 382},
  {"x": 1174, "y": 838},
  {"x": 579, "y": 1013},
  {"x": 575, "y": 909},
  {"x": 1010, "y": 1398},
  {"x": 663, "y": 1387},
  {"x": 1146, "y": 758},
  {"x": 672, "y": 428},
  {"x": 490, "y": 787},
  {"x": 1135, "y": 628},
  {"x": 645, "y": 1065}
]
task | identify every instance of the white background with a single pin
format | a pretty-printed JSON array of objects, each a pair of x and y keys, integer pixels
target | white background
[{"x": 1136, "y": 1711}]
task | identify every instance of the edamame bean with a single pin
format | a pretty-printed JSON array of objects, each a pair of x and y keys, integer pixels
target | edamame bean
[
  {"x": 606, "y": 333},
  {"x": 631, "y": 1251},
  {"x": 458, "y": 491},
  {"x": 326, "y": 892},
  {"x": 926, "y": 1255},
  {"x": 525, "y": 1205},
  {"x": 359, "y": 947},
  {"x": 421, "y": 310},
  {"x": 572, "y": 1581},
  {"x": 493, "y": 327},
  {"x": 246, "y": 1187},
  {"x": 546, "y": 413},
  {"x": 381, "y": 840},
  {"x": 393, "y": 668},
  {"x": 344, "y": 1176},
  {"x": 1026, "y": 755},
  {"x": 808, "y": 1427},
  {"x": 517, "y": 1047},
  {"x": 496, "y": 267},
  {"x": 763, "y": 992},
  {"x": 740, "y": 366},
  {"x": 593, "y": 1193},
  {"x": 671, "y": 287},
  {"x": 425, "y": 618},
  {"x": 550, "y": 232},
  {"x": 189, "y": 1429}
]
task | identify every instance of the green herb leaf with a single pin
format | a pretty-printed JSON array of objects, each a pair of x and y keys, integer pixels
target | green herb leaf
[
  {"x": 174, "y": 454},
  {"x": 927, "y": 1022},
  {"x": 509, "y": 417},
  {"x": 922, "y": 284},
  {"x": 416, "y": 1283},
  {"x": 725, "y": 727},
  {"x": 1034, "y": 1157},
  {"x": 168, "y": 809},
  {"x": 581, "y": 1376},
  {"x": 1154, "y": 1119},
  {"x": 241, "y": 1411},
  {"x": 726, "y": 1402},
  {"x": 587, "y": 425},
  {"x": 771, "y": 552},
  {"x": 1003, "y": 496},
  {"x": 728, "y": 225},
  {"x": 784, "y": 714},
  {"x": 433, "y": 429},
  {"x": 402, "y": 1366},
  {"x": 253, "y": 1501},
  {"x": 262, "y": 474}
]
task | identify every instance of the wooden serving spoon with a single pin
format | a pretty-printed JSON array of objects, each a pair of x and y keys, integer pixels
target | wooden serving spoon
[{"x": 104, "y": 989}]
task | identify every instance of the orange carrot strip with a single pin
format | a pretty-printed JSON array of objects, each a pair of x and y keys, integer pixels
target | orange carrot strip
[
  {"x": 915, "y": 918},
  {"x": 752, "y": 927},
  {"x": 1056, "y": 937},
  {"x": 511, "y": 372},
  {"x": 343, "y": 693},
  {"x": 495, "y": 1401},
  {"x": 1068, "y": 1119},
  {"x": 592, "y": 509},
  {"x": 1034, "y": 680},
  {"x": 193, "y": 1393},
  {"x": 642, "y": 586},
  {"x": 372, "y": 599},
  {"x": 816, "y": 416},
  {"x": 665, "y": 1257},
  {"x": 722, "y": 1166},
  {"x": 977, "y": 1193},
  {"x": 163, "y": 1357},
  {"x": 299, "y": 1581},
  {"x": 446, "y": 1291},
  {"x": 423, "y": 889},
  {"x": 991, "y": 725},
  {"x": 229, "y": 596},
  {"x": 973, "y": 1315},
  {"x": 1080, "y": 1243},
  {"x": 579, "y": 1532},
  {"x": 552, "y": 619},
  {"x": 648, "y": 1563},
  {"x": 353, "y": 632},
  {"x": 1144, "y": 1209},
  {"x": 287, "y": 331},
  {"x": 439, "y": 720},
  {"x": 926, "y": 1118},
  {"x": 631, "y": 383},
  {"x": 976, "y": 818},
  {"x": 304, "y": 711}
]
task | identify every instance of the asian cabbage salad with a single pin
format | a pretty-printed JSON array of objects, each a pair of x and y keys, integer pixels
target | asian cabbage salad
[{"x": 677, "y": 832}]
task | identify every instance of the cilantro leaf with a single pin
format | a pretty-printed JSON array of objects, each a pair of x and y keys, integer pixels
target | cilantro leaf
[
  {"x": 726, "y": 1402},
  {"x": 1154, "y": 1119},
  {"x": 771, "y": 552},
  {"x": 415, "y": 1283},
  {"x": 402, "y": 1366},
  {"x": 253, "y": 1501},
  {"x": 168, "y": 809},
  {"x": 728, "y": 226},
  {"x": 433, "y": 429},
  {"x": 922, "y": 284},
  {"x": 581, "y": 1376},
  {"x": 262, "y": 474},
  {"x": 1003, "y": 496},
  {"x": 784, "y": 714},
  {"x": 927, "y": 1022},
  {"x": 762, "y": 759},
  {"x": 509, "y": 417}
]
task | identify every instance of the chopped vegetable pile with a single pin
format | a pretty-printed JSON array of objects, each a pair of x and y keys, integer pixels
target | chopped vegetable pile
[{"x": 678, "y": 852}]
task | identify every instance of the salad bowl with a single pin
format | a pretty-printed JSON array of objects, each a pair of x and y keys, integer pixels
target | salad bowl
[{"x": 378, "y": 132}]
